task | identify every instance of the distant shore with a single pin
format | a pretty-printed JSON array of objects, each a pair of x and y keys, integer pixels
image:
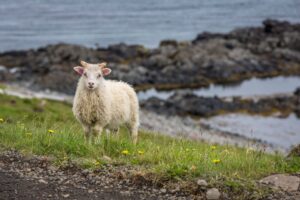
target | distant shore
[{"x": 270, "y": 50}]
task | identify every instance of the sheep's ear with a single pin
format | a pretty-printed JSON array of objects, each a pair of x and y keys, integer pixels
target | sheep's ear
[
  {"x": 106, "y": 71},
  {"x": 79, "y": 70},
  {"x": 84, "y": 64}
]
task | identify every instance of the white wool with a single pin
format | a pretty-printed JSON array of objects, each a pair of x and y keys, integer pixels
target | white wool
[{"x": 111, "y": 104}]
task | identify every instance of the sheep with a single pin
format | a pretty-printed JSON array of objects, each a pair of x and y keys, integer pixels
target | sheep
[{"x": 104, "y": 104}]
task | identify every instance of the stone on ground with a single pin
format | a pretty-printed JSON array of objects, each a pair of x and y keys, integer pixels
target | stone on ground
[
  {"x": 285, "y": 182},
  {"x": 213, "y": 194}
]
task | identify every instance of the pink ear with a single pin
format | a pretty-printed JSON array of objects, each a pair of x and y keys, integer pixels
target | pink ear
[
  {"x": 79, "y": 70},
  {"x": 106, "y": 71}
]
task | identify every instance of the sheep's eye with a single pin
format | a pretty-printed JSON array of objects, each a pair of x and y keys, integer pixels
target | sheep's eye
[
  {"x": 99, "y": 75},
  {"x": 85, "y": 74}
]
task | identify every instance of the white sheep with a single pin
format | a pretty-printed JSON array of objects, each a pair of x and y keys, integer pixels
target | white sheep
[{"x": 104, "y": 104}]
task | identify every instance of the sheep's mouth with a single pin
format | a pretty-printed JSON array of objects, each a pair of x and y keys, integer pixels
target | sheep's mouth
[{"x": 90, "y": 87}]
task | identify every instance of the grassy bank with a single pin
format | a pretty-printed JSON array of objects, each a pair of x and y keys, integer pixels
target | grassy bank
[{"x": 46, "y": 127}]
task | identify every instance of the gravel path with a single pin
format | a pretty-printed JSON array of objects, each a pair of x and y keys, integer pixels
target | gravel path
[
  {"x": 15, "y": 187},
  {"x": 33, "y": 177}
]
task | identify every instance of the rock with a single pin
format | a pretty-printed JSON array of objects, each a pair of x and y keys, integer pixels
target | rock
[
  {"x": 213, "y": 194},
  {"x": 202, "y": 182},
  {"x": 186, "y": 103},
  {"x": 43, "y": 181},
  {"x": 285, "y": 182},
  {"x": 65, "y": 195},
  {"x": 297, "y": 92},
  {"x": 163, "y": 190},
  {"x": 295, "y": 151}
]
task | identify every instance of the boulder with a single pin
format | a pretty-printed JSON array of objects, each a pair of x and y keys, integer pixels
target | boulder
[{"x": 285, "y": 182}]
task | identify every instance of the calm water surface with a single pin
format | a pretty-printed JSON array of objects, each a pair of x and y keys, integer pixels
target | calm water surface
[
  {"x": 247, "y": 88},
  {"x": 32, "y": 23},
  {"x": 280, "y": 132}
]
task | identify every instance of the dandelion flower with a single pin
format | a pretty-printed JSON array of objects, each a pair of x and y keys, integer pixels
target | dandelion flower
[
  {"x": 125, "y": 152},
  {"x": 216, "y": 161},
  {"x": 1, "y": 120},
  {"x": 51, "y": 131},
  {"x": 141, "y": 152},
  {"x": 213, "y": 147},
  {"x": 28, "y": 134},
  {"x": 97, "y": 163}
]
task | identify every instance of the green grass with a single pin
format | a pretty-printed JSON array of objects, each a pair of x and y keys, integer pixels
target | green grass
[{"x": 25, "y": 128}]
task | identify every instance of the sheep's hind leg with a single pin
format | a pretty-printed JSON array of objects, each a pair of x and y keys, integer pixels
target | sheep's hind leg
[{"x": 134, "y": 133}]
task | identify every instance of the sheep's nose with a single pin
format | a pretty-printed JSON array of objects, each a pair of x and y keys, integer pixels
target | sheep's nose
[{"x": 91, "y": 84}]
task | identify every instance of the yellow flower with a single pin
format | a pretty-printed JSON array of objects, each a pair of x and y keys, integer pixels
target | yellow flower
[
  {"x": 213, "y": 147},
  {"x": 216, "y": 161},
  {"x": 187, "y": 149},
  {"x": 28, "y": 134},
  {"x": 1, "y": 120},
  {"x": 51, "y": 131},
  {"x": 97, "y": 163},
  {"x": 141, "y": 152},
  {"x": 125, "y": 152}
]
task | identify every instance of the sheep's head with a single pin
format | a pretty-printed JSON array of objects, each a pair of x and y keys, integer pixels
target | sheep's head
[{"x": 92, "y": 74}]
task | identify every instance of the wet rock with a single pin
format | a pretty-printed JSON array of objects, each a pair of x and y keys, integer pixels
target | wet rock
[
  {"x": 187, "y": 103},
  {"x": 297, "y": 92},
  {"x": 213, "y": 194},
  {"x": 285, "y": 182}
]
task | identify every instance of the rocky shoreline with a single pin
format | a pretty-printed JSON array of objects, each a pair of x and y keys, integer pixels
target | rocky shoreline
[
  {"x": 270, "y": 50},
  {"x": 189, "y": 104}
]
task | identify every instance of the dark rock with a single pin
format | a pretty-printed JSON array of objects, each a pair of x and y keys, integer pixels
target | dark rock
[
  {"x": 295, "y": 151},
  {"x": 297, "y": 92},
  {"x": 187, "y": 103}
]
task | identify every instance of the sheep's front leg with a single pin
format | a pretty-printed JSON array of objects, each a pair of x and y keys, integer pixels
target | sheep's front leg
[
  {"x": 97, "y": 130},
  {"x": 87, "y": 133}
]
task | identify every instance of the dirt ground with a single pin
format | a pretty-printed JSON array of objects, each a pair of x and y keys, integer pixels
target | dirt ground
[
  {"x": 15, "y": 187},
  {"x": 34, "y": 177}
]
